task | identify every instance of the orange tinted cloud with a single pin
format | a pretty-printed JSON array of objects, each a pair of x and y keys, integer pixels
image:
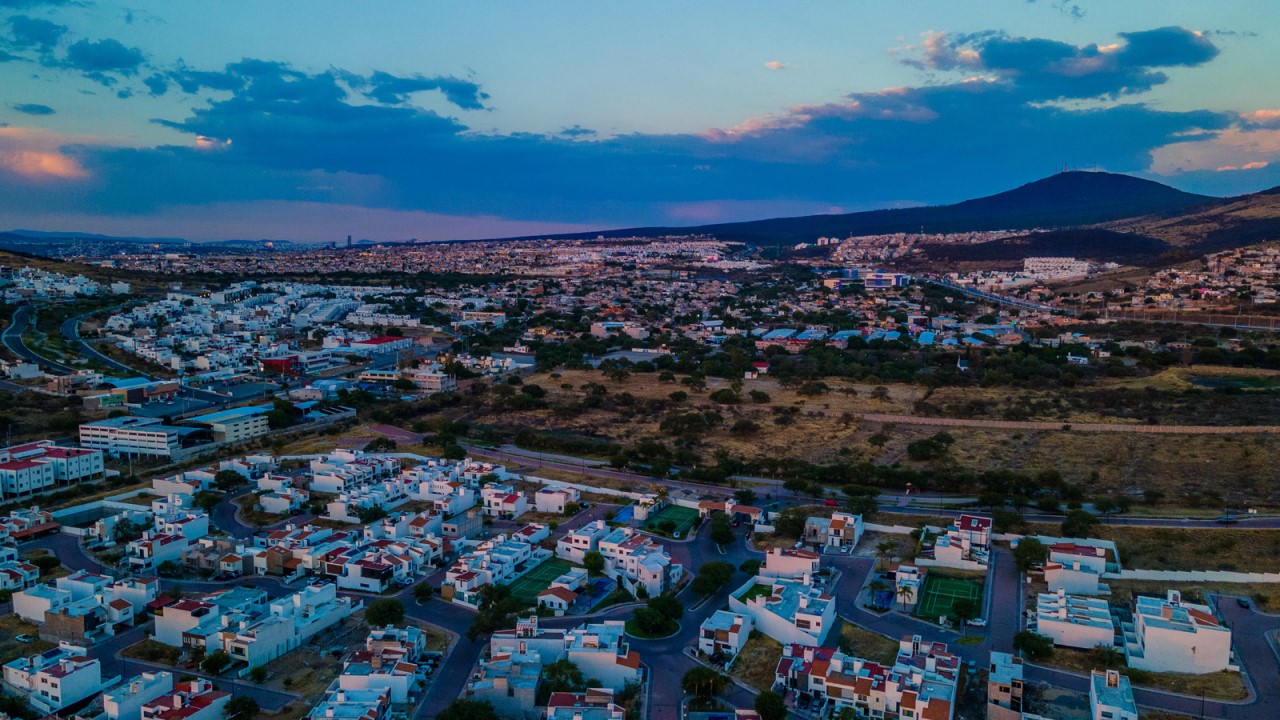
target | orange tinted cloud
[{"x": 37, "y": 154}]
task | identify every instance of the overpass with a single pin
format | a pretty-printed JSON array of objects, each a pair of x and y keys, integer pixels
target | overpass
[{"x": 992, "y": 297}]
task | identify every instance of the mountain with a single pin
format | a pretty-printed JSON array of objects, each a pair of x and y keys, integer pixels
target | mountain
[
  {"x": 1065, "y": 200},
  {"x": 1226, "y": 223}
]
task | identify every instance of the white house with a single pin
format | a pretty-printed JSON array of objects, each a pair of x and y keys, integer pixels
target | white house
[
  {"x": 192, "y": 700},
  {"x": 639, "y": 562},
  {"x": 577, "y": 543},
  {"x": 725, "y": 633},
  {"x": 790, "y": 563},
  {"x": 125, "y": 701},
  {"x": 1111, "y": 696},
  {"x": 1076, "y": 569},
  {"x": 54, "y": 679},
  {"x": 1074, "y": 621},
  {"x": 786, "y": 610},
  {"x": 841, "y": 530},
  {"x": 1171, "y": 635},
  {"x": 554, "y": 499}
]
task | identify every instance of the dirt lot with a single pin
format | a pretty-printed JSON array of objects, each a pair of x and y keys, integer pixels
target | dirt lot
[
  {"x": 12, "y": 626},
  {"x": 1218, "y": 686},
  {"x": 153, "y": 651},
  {"x": 758, "y": 661},
  {"x": 1241, "y": 468},
  {"x": 1189, "y": 549},
  {"x": 866, "y": 644}
]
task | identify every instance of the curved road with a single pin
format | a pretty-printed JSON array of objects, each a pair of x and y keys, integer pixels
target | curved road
[
  {"x": 12, "y": 339},
  {"x": 70, "y": 329}
]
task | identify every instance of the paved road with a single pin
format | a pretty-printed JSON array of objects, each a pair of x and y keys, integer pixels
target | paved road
[
  {"x": 12, "y": 339},
  {"x": 70, "y": 329}
]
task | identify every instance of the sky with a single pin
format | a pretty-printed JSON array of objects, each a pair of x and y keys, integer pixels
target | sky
[{"x": 309, "y": 121}]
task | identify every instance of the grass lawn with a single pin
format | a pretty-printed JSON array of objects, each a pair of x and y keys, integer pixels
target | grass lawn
[
  {"x": 527, "y": 586},
  {"x": 619, "y": 595},
  {"x": 757, "y": 590},
  {"x": 758, "y": 661},
  {"x": 940, "y": 594},
  {"x": 1216, "y": 686},
  {"x": 683, "y": 517},
  {"x": 863, "y": 643}
]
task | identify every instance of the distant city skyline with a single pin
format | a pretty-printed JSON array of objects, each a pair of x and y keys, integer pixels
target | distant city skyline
[{"x": 309, "y": 122}]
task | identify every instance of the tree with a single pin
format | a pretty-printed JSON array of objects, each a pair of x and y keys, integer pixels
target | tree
[
  {"x": 404, "y": 384},
  {"x": 168, "y": 568},
  {"x": 496, "y": 611},
  {"x": 651, "y": 621},
  {"x": 703, "y": 682},
  {"x": 47, "y": 563},
  {"x": 771, "y": 706},
  {"x": 469, "y": 710},
  {"x": 863, "y": 505},
  {"x": 746, "y": 496},
  {"x": 387, "y": 611},
  {"x": 711, "y": 577},
  {"x": 563, "y": 675},
  {"x": 241, "y": 707},
  {"x": 1034, "y": 646},
  {"x": 790, "y": 522},
  {"x": 721, "y": 532},
  {"x": 422, "y": 592},
  {"x": 206, "y": 500},
  {"x": 750, "y": 567},
  {"x": 1029, "y": 552},
  {"x": 227, "y": 480},
  {"x": 906, "y": 594},
  {"x": 884, "y": 548},
  {"x": 668, "y": 605},
  {"x": 965, "y": 610},
  {"x": 215, "y": 662},
  {"x": 1078, "y": 524},
  {"x": 593, "y": 561},
  {"x": 258, "y": 674}
]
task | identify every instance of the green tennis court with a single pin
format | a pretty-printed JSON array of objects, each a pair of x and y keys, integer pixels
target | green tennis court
[
  {"x": 527, "y": 586},
  {"x": 683, "y": 517},
  {"x": 941, "y": 593}
]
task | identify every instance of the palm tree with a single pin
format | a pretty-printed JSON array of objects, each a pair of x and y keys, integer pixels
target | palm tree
[
  {"x": 884, "y": 547},
  {"x": 906, "y": 594}
]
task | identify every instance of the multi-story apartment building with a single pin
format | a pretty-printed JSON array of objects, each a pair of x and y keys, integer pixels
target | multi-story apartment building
[{"x": 37, "y": 466}]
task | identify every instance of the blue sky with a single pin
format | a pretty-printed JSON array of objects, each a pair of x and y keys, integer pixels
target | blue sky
[{"x": 309, "y": 121}]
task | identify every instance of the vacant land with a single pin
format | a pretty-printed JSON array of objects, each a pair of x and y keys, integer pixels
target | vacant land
[
  {"x": 1217, "y": 686},
  {"x": 1189, "y": 549},
  {"x": 1233, "y": 469},
  {"x": 758, "y": 661},
  {"x": 153, "y": 651},
  {"x": 866, "y": 644},
  {"x": 1265, "y": 595},
  {"x": 11, "y": 626}
]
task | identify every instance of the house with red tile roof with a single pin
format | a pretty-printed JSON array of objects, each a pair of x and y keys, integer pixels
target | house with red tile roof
[{"x": 193, "y": 700}]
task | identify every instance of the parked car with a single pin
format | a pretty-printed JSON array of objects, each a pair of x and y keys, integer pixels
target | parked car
[
  {"x": 25, "y": 639},
  {"x": 1243, "y": 602},
  {"x": 829, "y": 502},
  {"x": 978, "y": 622}
]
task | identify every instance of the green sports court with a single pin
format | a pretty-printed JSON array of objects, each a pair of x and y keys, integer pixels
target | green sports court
[
  {"x": 527, "y": 586},
  {"x": 684, "y": 518},
  {"x": 940, "y": 593}
]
